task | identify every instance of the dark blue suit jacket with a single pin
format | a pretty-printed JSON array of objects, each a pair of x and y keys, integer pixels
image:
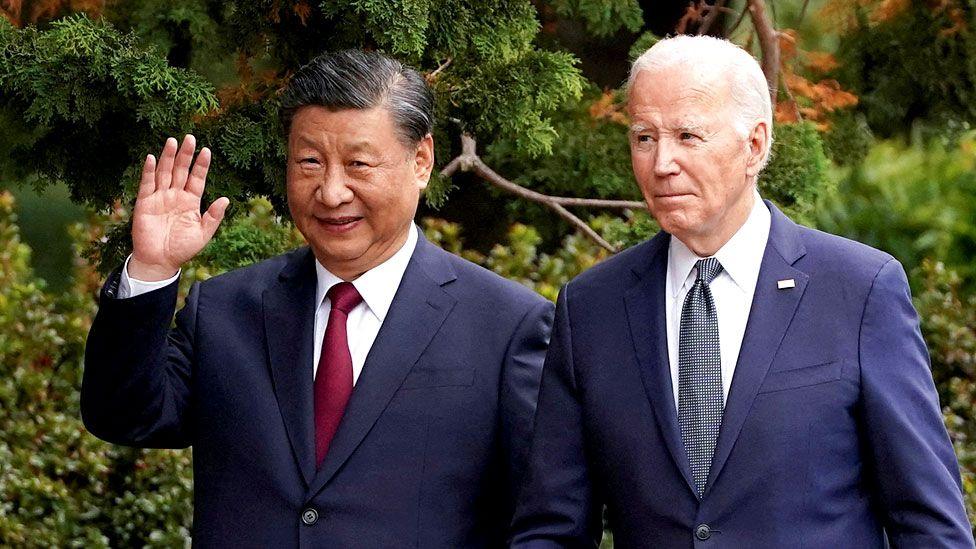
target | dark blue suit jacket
[
  {"x": 832, "y": 434},
  {"x": 432, "y": 443}
]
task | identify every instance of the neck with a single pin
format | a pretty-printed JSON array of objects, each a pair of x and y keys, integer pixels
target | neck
[{"x": 706, "y": 245}]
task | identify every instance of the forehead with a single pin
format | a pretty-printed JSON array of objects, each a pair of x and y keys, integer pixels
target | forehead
[
  {"x": 680, "y": 94},
  {"x": 317, "y": 124}
]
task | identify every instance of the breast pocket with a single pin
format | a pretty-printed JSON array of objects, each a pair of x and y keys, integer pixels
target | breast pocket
[
  {"x": 802, "y": 377},
  {"x": 425, "y": 377}
]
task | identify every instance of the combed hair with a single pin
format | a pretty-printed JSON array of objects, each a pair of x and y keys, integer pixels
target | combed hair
[
  {"x": 355, "y": 79},
  {"x": 747, "y": 82}
]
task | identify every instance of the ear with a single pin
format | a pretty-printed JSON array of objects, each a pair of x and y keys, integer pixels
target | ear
[
  {"x": 756, "y": 143},
  {"x": 424, "y": 161}
]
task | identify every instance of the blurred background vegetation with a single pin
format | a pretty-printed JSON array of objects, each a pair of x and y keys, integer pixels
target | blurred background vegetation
[{"x": 874, "y": 140}]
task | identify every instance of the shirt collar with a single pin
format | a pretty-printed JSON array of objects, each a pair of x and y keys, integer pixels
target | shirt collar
[
  {"x": 741, "y": 257},
  {"x": 378, "y": 285}
]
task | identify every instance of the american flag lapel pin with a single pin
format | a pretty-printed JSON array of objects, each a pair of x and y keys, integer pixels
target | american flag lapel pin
[{"x": 786, "y": 284}]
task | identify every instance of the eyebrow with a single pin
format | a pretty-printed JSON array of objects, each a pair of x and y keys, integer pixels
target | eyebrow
[{"x": 691, "y": 128}]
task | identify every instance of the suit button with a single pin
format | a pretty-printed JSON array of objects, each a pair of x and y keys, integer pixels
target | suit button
[
  {"x": 703, "y": 532},
  {"x": 310, "y": 516}
]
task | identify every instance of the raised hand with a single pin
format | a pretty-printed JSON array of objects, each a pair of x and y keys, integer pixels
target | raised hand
[{"x": 167, "y": 228}]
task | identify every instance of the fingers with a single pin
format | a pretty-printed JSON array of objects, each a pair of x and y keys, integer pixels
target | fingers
[
  {"x": 164, "y": 170},
  {"x": 147, "y": 184},
  {"x": 181, "y": 168},
  {"x": 198, "y": 176},
  {"x": 214, "y": 215}
]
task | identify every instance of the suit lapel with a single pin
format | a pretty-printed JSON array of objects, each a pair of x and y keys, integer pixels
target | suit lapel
[
  {"x": 645, "y": 304},
  {"x": 769, "y": 318},
  {"x": 420, "y": 307},
  {"x": 289, "y": 324}
]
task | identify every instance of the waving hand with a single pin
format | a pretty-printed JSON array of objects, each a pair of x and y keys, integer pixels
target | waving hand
[{"x": 167, "y": 227}]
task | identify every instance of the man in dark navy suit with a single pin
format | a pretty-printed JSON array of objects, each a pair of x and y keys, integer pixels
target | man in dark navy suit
[
  {"x": 738, "y": 380},
  {"x": 369, "y": 390}
]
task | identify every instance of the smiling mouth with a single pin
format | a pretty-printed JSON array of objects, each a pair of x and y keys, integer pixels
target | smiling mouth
[
  {"x": 338, "y": 225},
  {"x": 339, "y": 221}
]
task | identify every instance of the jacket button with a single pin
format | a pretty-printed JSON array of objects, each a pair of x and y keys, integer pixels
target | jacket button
[
  {"x": 310, "y": 516},
  {"x": 703, "y": 532}
]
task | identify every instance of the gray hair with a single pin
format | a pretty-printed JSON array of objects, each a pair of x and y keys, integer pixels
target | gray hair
[
  {"x": 747, "y": 83},
  {"x": 355, "y": 79}
]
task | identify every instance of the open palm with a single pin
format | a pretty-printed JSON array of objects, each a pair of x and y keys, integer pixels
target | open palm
[{"x": 167, "y": 227}]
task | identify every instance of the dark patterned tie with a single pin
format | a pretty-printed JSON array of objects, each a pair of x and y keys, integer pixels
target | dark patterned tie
[
  {"x": 700, "y": 373},
  {"x": 333, "y": 379}
]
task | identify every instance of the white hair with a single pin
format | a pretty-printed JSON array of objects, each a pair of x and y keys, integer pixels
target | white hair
[{"x": 747, "y": 83}]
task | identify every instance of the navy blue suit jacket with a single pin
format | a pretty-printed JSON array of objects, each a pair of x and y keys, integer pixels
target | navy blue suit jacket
[
  {"x": 433, "y": 441},
  {"x": 832, "y": 434}
]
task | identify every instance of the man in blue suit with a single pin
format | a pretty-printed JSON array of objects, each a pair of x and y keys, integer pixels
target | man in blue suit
[
  {"x": 369, "y": 390},
  {"x": 738, "y": 380}
]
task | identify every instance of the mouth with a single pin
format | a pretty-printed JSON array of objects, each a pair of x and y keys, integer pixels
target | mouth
[
  {"x": 665, "y": 196},
  {"x": 339, "y": 224}
]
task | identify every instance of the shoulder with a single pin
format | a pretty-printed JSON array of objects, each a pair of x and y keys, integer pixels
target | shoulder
[
  {"x": 476, "y": 283},
  {"x": 259, "y": 275},
  {"x": 842, "y": 258},
  {"x": 620, "y": 271}
]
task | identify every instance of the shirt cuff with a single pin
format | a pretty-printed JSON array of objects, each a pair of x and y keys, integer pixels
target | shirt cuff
[{"x": 130, "y": 287}]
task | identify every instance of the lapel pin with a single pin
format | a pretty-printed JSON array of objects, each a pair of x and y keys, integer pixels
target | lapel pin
[{"x": 786, "y": 284}]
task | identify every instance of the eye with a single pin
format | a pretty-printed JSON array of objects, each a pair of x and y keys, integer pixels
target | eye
[
  {"x": 687, "y": 136},
  {"x": 358, "y": 164},
  {"x": 309, "y": 161}
]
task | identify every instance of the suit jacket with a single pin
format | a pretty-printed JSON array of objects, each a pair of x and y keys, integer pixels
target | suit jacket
[
  {"x": 433, "y": 440},
  {"x": 832, "y": 434}
]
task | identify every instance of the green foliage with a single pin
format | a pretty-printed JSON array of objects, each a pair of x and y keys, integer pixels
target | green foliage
[
  {"x": 643, "y": 43},
  {"x": 603, "y": 17},
  {"x": 519, "y": 258},
  {"x": 512, "y": 107},
  {"x": 914, "y": 65},
  {"x": 592, "y": 157},
  {"x": 247, "y": 239},
  {"x": 797, "y": 171},
  {"x": 96, "y": 100},
  {"x": 60, "y": 486},
  {"x": 848, "y": 139},
  {"x": 913, "y": 201},
  {"x": 949, "y": 325}
]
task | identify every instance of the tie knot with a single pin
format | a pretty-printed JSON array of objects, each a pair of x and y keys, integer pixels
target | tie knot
[
  {"x": 708, "y": 269},
  {"x": 344, "y": 297}
]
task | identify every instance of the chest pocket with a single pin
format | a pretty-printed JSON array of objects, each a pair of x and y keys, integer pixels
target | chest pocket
[{"x": 802, "y": 377}]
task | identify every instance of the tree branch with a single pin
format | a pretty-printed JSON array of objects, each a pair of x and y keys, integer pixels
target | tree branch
[
  {"x": 469, "y": 161},
  {"x": 742, "y": 15},
  {"x": 430, "y": 77},
  {"x": 713, "y": 12},
  {"x": 768, "y": 43}
]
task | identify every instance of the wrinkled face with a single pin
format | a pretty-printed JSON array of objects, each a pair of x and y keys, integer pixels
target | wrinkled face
[
  {"x": 353, "y": 185},
  {"x": 695, "y": 172}
]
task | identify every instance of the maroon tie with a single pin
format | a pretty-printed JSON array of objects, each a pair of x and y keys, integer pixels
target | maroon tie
[{"x": 333, "y": 380}]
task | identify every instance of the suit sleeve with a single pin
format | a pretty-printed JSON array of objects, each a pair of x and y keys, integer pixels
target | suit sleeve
[
  {"x": 138, "y": 373},
  {"x": 557, "y": 505},
  {"x": 520, "y": 387},
  {"x": 915, "y": 469}
]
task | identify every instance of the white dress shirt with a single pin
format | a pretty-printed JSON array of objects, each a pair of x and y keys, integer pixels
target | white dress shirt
[
  {"x": 732, "y": 290},
  {"x": 377, "y": 286}
]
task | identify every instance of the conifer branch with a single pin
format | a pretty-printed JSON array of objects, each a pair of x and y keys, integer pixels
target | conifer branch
[{"x": 469, "y": 161}]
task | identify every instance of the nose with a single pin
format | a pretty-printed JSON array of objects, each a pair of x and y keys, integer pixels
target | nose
[
  {"x": 333, "y": 189},
  {"x": 664, "y": 164}
]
